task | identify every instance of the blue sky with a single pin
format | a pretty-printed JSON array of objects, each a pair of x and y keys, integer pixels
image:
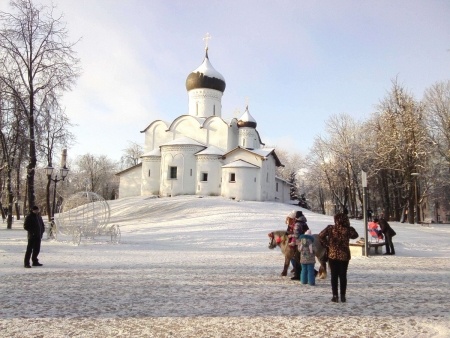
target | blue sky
[{"x": 297, "y": 62}]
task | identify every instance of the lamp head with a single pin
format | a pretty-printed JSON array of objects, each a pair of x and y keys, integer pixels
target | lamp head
[
  {"x": 49, "y": 170},
  {"x": 64, "y": 172}
]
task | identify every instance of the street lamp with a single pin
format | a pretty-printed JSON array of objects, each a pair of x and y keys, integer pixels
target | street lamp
[
  {"x": 416, "y": 216},
  {"x": 63, "y": 171},
  {"x": 366, "y": 232}
]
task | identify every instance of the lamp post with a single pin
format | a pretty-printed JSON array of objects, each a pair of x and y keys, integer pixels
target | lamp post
[
  {"x": 366, "y": 233},
  {"x": 63, "y": 171},
  {"x": 416, "y": 216}
]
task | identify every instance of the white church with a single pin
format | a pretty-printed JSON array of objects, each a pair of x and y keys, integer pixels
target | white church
[{"x": 202, "y": 154}]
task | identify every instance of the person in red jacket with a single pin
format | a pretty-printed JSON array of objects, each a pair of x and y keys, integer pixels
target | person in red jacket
[
  {"x": 35, "y": 227},
  {"x": 375, "y": 230}
]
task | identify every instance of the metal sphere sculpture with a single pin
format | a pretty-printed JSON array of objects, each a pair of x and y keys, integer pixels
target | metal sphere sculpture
[{"x": 84, "y": 214}]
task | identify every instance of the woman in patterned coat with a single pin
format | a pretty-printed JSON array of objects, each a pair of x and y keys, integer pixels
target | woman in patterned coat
[{"x": 336, "y": 238}]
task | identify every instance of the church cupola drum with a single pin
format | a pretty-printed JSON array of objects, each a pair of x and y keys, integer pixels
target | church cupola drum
[
  {"x": 205, "y": 87},
  {"x": 248, "y": 137}
]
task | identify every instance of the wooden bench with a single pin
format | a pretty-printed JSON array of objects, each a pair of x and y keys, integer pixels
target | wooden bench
[
  {"x": 376, "y": 245},
  {"x": 357, "y": 249},
  {"x": 425, "y": 223}
]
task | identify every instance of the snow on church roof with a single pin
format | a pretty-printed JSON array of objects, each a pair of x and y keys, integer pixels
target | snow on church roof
[
  {"x": 183, "y": 141},
  {"x": 207, "y": 69},
  {"x": 205, "y": 76},
  {"x": 263, "y": 152},
  {"x": 240, "y": 164},
  {"x": 211, "y": 150},
  {"x": 247, "y": 120},
  {"x": 154, "y": 152}
]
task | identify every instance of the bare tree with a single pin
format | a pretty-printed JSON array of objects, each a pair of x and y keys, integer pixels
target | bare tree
[
  {"x": 131, "y": 155},
  {"x": 35, "y": 62},
  {"x": 97, "y": 174},
  {"x": 319, "y": 176},
  {"x": 52, "y": 135},
  {"x": 11, "y": 143},
  {"x": 401, "y": 149},
  {"x": 437, "y": 107},
  {"x": 292, "y": 164},
  {"x": 335, "y": 164}
]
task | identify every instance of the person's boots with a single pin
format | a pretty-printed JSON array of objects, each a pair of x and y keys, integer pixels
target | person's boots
[
  {"x": 296, "y": 273},
  {"x": 335, "y": 299},
  {"x": 343, "y": 292}
]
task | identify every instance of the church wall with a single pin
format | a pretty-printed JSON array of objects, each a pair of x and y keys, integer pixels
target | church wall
[
  {"x": 244, "y": 185},
  {"x": 233, "y": 136},
  {"x": 284, "y": 191},
  {"x": 156, "y": 135},
  {"x": 217, "y": 133},
  {"x": 189, "y": 127},
  {"x": 130, "y": 183},
  {"x": 178, "y": 170},
  {"x": 244, "y": 155},
  {"x": 268, "y": 179},
  {"x": 151, "y": 174},
  {"x": 212, "y": 167}
]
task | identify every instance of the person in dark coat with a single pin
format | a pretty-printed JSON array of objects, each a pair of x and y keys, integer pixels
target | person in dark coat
[
  {"x": 35, "y": 227},
  {"x": 369, "y": 214},
  {"x": 336, "y": 238},
  {"x": 388, "y": 233}
]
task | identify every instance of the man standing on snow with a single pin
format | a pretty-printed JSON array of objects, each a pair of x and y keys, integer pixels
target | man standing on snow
[
  {"x": 35, "y": 227},
  {"x": 388, "y": 233}
]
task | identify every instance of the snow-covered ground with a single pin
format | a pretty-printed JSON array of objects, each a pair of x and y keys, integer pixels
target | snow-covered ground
[{"x": 201, "y": 267}]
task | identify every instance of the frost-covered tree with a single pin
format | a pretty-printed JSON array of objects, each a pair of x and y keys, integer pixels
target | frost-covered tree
[
  {"x": 401, "y": 148},
  {"x": 336, "y": 160},
  {"x": 131, "y": 155},
  {"x": 437, "y": 107},
  {"x": 35, "y": 61},
  {"x": 12, "y": 144},
  {"x": 292, "y": 164},
  {"x": 96, "y": 174}
]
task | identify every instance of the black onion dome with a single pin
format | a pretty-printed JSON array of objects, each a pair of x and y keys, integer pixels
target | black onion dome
[
  {"x": 205, "y": 76},
  {"x": 246, "y": 120}
]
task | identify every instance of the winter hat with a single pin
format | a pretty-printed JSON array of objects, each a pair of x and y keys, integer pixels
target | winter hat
[
  {"x": 341, "y": 219},
  {"x": 308, "y": 232},
  {"x": 298, "y": 214},
  {"x": 292, "y": 214}
]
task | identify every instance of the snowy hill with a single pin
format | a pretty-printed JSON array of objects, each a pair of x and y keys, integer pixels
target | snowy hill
[{"x": 200, "y": 267}]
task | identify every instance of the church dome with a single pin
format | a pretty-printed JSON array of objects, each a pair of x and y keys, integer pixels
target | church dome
[
  {"x": 205, "y": 76},
  {"x": 246, "y": 120}
]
